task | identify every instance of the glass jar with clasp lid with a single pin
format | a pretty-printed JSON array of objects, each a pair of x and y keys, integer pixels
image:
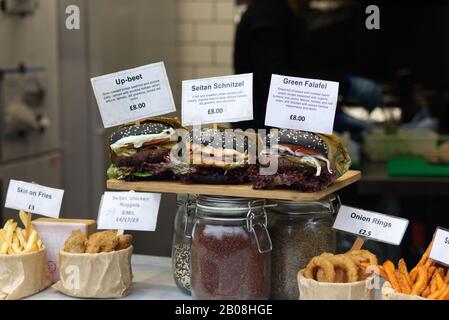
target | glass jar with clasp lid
[
  {"x": 182, "y": 241},
  {"x": 230, "y": 252},
  {"x": 299, "y": 231}
]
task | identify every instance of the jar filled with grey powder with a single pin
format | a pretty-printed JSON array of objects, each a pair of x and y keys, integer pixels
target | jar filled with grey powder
[{"x": 299, "y": 231}]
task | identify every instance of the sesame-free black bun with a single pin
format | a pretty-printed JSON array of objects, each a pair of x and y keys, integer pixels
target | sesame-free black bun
[{"x": 305, "y": 139}]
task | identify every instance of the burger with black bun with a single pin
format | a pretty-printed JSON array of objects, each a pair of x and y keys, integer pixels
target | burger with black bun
[
  {"x": 219, "y": 157},
  {"x": 306, "y": 161},
  {"x": 142, "y": 151}
]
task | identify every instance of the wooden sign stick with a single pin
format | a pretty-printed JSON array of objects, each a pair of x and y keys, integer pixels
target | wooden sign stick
[{"x": 358, "y": 243}]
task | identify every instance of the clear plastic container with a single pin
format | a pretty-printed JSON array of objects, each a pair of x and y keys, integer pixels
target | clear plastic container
[{"x": 379, "y": 146}]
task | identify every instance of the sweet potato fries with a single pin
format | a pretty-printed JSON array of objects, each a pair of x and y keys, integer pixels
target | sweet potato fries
[{"x": 426, "y": 279}]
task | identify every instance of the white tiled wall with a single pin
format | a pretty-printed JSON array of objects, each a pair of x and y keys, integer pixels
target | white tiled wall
[{"x": 205, "y": 38}]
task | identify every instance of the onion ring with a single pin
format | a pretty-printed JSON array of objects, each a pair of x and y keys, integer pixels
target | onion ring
[
  {"x": 320, "y": 263},
  {"x": 362, "y": 258},
  {"x": 347, "y": 265},
  {"x": 320, "y": 274},
  {"x": 365, "y": 255},
  {"x": 340, "y": 276}
]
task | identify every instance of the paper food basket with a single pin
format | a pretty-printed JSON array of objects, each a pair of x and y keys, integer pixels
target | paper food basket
[
  {"x": 95, "y": 275},
  {"x": 310, "y": 289},
  {"x": 388, "y": 293},
  {"x": 22, "y": 275}
]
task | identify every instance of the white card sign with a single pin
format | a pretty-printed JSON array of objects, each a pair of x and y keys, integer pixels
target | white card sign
[
  {"x": 129, "y": 211},
  {"x": 440, "y": 246},
  {"x": 302, "y": 104},
  {"x": 34, "y": 198},
  {"x": 372, "y": 225},
  {"x": 217, "y": 100},
  {"x": 133, "y": 94}
]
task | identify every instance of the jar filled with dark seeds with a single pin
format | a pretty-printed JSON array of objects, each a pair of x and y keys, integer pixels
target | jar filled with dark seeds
[
  {"x": 299, "y": 231},
  {"x": 231, "y": 247},
  {"x": 182, "y": 242}
]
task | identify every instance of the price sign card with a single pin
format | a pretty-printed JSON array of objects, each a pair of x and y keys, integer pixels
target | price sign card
[
  {"x": 372, "y": 225},
  {"x": 217, "y": 100},
  {"x": 129, "y": 211},
  {"x": 133, "y": 94},
  {"x": 440, "y": 246},
  {"x": 302, "y": 104},
  {"x": 34, "y": 198}
]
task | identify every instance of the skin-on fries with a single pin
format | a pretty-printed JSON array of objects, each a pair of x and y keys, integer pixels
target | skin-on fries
[
  {"x": 15, "y": 240},
  {"x": 426, "y": 279}
]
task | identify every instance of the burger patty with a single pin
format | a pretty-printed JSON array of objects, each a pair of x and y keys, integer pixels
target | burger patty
[
  {"x": 144, "y": 156},
  {"x": 216, "y": 175},
  {"x": 300, "y": 177}
]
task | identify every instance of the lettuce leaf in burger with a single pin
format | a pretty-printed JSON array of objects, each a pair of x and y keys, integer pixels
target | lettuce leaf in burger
[
  {"x": 306, "y": 161},
  {"x": 142, "y": 151}
]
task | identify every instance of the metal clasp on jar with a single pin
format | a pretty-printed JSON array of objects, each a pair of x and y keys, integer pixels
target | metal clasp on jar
[
  {"x": 253, "y": 222},
  {"x": 188, "y": 225},
  {"x": 335, "y": 204}
]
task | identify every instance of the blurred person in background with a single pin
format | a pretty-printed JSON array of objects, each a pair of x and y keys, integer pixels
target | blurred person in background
[
  {"x": 277, "y": 37},
  {"x": 407, "y": 55}
]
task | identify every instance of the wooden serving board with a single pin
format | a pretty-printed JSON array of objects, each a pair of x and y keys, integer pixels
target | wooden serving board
[{"x": 244, "y": 190}]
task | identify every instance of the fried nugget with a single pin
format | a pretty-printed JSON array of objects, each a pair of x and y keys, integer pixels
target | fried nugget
[
  {"x": 76, "y": 243},
  {"x": 105, "y": 241},
  {"x": 124, "y": 241}
]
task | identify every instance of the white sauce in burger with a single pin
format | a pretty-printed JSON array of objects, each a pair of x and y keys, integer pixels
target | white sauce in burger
[
  {"x": 310, "y": 158},
  {"x": 138, "y": 141},
  {"x": 207, "y": 155}
]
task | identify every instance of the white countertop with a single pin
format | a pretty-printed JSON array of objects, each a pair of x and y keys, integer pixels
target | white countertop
[{"x": 153, "y": 280}]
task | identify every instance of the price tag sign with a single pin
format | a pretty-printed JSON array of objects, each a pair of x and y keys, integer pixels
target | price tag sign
[
  {"x": 129, "y": 211},
  {"x": 440, "y": 246},
  {"x": 133, "y": 94},
  {"x": 217, "y": 100},
  {"x": 34, "y": 198},
  {"x": 372, "y": 225},
  {"x": 302, "y": 104}
]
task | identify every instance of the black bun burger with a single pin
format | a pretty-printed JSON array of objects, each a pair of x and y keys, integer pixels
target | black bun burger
[
  {"x": 306, "y": 161},
  {"x": 142, "y": 151},
  {"x": 219, "y": 157}
]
